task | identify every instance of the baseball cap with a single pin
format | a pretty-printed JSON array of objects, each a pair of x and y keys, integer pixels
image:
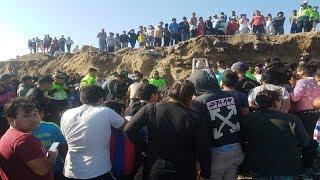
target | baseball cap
[{"x": 240, "y": 66}]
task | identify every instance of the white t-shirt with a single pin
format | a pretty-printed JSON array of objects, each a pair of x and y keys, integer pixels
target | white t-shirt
[
  {"x": 284, "y": 94},
  {"x": 87, "y": 130},
  {"x": 134, "y": 89}
]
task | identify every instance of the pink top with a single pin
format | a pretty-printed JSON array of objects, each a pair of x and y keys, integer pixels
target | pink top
[{"x": 304, "y": 93}]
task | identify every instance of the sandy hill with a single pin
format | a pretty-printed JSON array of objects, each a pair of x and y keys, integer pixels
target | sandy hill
[{"x": 174, "y": 62}]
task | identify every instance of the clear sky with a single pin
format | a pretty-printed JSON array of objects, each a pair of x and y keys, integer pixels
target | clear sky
[{"x": 21, "y": 20}]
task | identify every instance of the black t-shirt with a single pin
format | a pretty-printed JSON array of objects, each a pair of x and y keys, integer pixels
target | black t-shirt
[
  {"x": 223, "y": 117},
  {"x": 175, "y": 133},
  {"x": 184, "y": 27},
  {"x": 273, "y": 139},
  {"x": 279, "y": 22},
  {"x": 124, "y": 38},
  {"x": 134, "y": 108},
  {"x": 240, "y": 98},
  {"x": 133, "y": 36},
  {"x": 245, "y": 84}
]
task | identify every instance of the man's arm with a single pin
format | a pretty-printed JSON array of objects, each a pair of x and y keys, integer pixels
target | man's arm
[
  {"x": 116, "y": 120},
  {"x": 136, "y": 123},
  {"x": 30, "y": 151},
  {"x": 202, "y": 139},
  {"x": 42, "y": 166},
  {"x": 286, "y": 105}
]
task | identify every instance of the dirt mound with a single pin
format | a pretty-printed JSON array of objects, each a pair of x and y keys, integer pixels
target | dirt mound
[{"x": 173, "y": 62}]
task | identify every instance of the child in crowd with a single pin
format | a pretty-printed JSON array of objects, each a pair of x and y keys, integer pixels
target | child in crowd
[{"x": 269, "y": 25}]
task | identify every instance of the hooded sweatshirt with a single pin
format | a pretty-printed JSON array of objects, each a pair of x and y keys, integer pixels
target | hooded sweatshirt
[{"x": 220, "y": 106}]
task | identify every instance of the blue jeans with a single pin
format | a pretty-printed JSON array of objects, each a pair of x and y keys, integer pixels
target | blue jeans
[
  {"x": 133, "y": 44},
  {"x": 150, "y": 41},
  {"x": 294, "y": 28},
  {"x": 102, "y": 46},
  {"x": 185, "y": 36}
]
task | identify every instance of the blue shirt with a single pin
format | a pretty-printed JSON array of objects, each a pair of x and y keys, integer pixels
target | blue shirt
[
  {"x": 47, "y": 133},
  {"x": 174, "y": 28}
]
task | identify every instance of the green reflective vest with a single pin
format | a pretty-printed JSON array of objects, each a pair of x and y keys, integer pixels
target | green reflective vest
[
  {"x": 250, "y": 76},
  {"x": 58, "y": 92},
  {"x": 314, "y": 16},
  {"x": 159, "y": 83},
  {"x": 304, "y": 14},
  {"x": 88, "y": 80}
]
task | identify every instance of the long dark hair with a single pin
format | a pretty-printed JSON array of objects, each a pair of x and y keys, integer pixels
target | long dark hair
[
  {"x": 267, "y": 99},
  {"x": 182, "y": 91}
]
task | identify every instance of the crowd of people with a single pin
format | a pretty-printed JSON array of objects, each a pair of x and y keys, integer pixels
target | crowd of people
[
  {"x": 305, "y": 19},
  {"x": 52, "y": 46},
  {"x": 221, "y": 122}
]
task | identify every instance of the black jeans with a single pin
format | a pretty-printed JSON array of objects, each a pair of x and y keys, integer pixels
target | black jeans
[
  {"x": 165, "y": 170},
  {"x": 303, "y": 26},
  {"x": 111, "y": 49},
  {"x": 309, "y": 120},
  {"x": 68, "y": 48},
  {"x": 278, "y": 30},
  {"x": 174, "y": 39},
  {"x": 193, "y": 33},
  {"x": 166, "y": 41},
  {"x": 294, "y": 28},
  {"x": 107, "y": 176},
  {"x": 157, "y": 42},
  {"x": 258, "y": 29}
]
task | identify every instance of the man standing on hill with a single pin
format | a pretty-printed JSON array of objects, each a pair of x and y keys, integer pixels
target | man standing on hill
[
  {"x": 158, "y": 34},
  {"x": 102, "y": 41},
  {"x": 193, "y": 25},
  {"x": 124, "y": 39},
  {"x": 34, "y": 45},
  {"x": 278, "y": 24},
  {"x": 62, "y": 44},
  {"x": 184, "y": 29},
  {"x": 133, "y": 38},
  {"x": 314, "y": 18},
  {"x": 69, "y": 43},
  {"x": 174, "y": 32},
  {"x": 303, "y": 18}
]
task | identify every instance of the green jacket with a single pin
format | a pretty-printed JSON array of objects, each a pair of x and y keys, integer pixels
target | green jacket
[
  {"x": 159, "y": 83},
  {"x": 250, "y": 76},
  {"x": 304, "y": 14},
  {"x": 314, "y": 15},
  {"x": 58, "y": 92},
  {"x": 88, "y": 80}
]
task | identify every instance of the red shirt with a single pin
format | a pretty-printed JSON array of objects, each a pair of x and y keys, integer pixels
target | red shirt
[
  {"x": 258, "y": 20},
  {"x": 17, "y": 148},
  {"x": 232, "y": 28}
]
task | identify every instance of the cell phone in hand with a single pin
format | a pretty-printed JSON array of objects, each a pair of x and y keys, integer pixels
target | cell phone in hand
[{"x": 54, "y": 146}]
